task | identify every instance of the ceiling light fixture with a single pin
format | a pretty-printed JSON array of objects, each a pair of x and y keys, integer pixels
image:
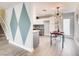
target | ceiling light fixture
[{"x": 58, "y": 17}]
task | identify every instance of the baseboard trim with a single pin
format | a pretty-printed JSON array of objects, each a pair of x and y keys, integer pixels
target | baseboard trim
[{"x": 27, "y": 49}]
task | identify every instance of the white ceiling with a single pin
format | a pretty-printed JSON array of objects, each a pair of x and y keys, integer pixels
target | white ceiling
[
  {"x": 51, "y": 7},
  {"x": 5, "y": 5}
]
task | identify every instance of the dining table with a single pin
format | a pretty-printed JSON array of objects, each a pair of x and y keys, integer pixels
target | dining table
[{"x": 56, "y": 34}]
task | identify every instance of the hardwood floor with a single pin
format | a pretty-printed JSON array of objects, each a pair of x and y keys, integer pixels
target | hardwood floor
[
  {"x": 44, "y": 48},
  {"x": 7, "y": 49}
]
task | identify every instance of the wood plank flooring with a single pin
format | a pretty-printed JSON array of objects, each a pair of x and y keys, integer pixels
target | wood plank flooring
[{"x": 44, "y": 48}]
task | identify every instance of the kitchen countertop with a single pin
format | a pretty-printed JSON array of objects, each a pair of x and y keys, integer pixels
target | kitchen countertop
[{"x": 36, "y": 30}]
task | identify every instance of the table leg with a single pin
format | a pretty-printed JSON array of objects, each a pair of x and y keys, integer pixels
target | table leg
[
  {"x": 51, "y": 40},
  {"x": 62, "y": 42}
]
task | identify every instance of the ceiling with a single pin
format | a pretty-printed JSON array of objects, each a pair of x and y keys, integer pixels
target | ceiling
[
  {"x": 46, "y": 8},
  {"x": 5, "y": 5}
]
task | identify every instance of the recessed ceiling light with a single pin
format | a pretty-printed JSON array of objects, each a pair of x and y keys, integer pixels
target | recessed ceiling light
[{"x": 44, "y": 10}]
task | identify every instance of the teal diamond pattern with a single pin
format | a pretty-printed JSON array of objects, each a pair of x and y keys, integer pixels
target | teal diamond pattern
[
  {"x": 24, "y": 23},
  {"x": 13, "y": 24}
]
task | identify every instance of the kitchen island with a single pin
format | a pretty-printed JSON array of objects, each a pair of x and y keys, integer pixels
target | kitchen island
[{"x": 35, "y": 38}]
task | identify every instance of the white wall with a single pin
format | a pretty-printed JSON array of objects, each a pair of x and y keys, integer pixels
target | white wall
[
  {"x": 46, "y": 28},
  {"x": 76, "y": 28},
  {"x": 40, "y": 21},
  {"x": 52, "y": 24},
  {"x": 18, "y": 40}
]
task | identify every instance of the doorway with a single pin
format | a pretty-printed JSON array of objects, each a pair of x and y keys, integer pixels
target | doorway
[{"x": 66, "y": 26}]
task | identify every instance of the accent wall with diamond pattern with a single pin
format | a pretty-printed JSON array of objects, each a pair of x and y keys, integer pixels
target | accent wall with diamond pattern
[
  {"x": 19, "y": 23},
  {"x": 13, "y": 24}
]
